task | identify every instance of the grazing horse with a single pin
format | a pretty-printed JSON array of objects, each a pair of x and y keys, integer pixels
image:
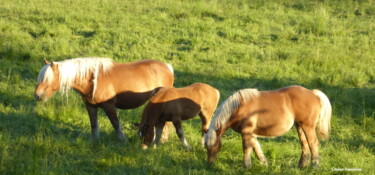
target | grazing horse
[
  {"x": 105, "y": 84},
  {"x": 176, "y": 104},
  {"x": 256, "y": 113}
]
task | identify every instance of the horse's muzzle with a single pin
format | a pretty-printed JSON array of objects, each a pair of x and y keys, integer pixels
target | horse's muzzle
[{"x": 38, "y": 97}]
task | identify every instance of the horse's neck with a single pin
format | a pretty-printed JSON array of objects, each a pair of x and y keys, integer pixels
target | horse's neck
[
  {"x": 151, "y": 116},
  {"x": 84, "y": 86},
  {"x": 222, "y": 131}
]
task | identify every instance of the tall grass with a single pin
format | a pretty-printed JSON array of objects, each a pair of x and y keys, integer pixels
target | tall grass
[{"x": 328, "y": 45}]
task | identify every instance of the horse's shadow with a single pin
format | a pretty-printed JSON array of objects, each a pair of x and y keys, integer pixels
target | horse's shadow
[
  {"x": 22, "y": 120},
  {"x": 29, "y": 124},
  {"x": 16, "y": 100},
  {"x": 360, "y": 100}
]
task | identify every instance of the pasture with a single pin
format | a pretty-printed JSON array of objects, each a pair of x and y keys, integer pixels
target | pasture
[{"x": 230, "y": 45}]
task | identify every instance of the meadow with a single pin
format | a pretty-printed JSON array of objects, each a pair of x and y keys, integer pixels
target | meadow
[{"x": 320, "y": 44}]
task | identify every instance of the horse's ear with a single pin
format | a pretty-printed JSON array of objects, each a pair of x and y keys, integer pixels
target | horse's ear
[
  {"x": 46, "y": 61},
  {"x": 53, "y": 65}
]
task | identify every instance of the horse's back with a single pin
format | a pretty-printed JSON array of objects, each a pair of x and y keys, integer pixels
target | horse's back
[
  {"x": 196, "y": 92},
  {"x": 133, "y": 83},
  {"x": 187, "y": 100},
  {"x": 144, "y": 74},
  {"x": 276, "y": 111}
]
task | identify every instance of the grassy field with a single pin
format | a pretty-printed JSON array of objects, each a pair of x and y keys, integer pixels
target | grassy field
[{"x": 328, "y": 45}]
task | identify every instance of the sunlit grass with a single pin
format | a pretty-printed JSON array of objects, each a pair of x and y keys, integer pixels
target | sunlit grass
[{"x": 328, "y": 45}]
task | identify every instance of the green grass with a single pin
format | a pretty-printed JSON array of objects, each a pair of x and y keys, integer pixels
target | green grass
[{"x": 328, "y": 45}]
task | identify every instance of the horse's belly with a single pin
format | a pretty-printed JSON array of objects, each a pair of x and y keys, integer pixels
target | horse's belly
[
  {"x": 128, "y": 105},
  {"x": 130, "y": 100},
  {"x": 274, "y": 129}
]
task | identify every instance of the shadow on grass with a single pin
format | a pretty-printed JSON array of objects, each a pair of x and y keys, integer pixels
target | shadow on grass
[
  {"x": 352, "y": 104},
  {"x": 29, "y": 124},
  {"x": 353, "y": 143},
  {"x": 356, "y": 101},
  {"x": 16, "y": 101}
]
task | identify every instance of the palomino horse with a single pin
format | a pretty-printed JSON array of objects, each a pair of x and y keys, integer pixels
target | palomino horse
[
  {"x": 105, "y": 84},
  {"x": 176, "y": 104},
  {"x": 256, "y": 113}
]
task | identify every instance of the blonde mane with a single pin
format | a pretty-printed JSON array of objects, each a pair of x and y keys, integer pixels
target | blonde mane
[
  {"x": 45, "y": 74},
  {"x": 75, "y": 69},
  {"x": 224, "y": 112}
]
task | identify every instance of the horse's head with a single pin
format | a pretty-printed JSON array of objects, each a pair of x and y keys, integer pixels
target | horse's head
[
  {"x": 212, "y": 143},
  {"x": 146, "y": 133},
  {"x": 48, "y": 81}
]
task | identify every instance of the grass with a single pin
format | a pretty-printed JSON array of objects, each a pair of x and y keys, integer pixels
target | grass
[{"x": 230, "y": 45}]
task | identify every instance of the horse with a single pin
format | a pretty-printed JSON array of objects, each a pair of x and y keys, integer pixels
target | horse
[
  {"x": 177, "y": 104},
  {"x": 104, "y": 84},
  {"x": 256, "y": 113}
]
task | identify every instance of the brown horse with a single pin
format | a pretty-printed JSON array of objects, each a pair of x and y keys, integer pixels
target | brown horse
[
  {"x": 105, "y": 84},
  {"x": 256, "y": 113},
  {"x": 176, "y": 104}
]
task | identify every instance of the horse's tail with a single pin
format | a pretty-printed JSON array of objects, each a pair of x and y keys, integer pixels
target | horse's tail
[
  {"x": 170, "y": 67},
  {"x": 324, "y": 121}
]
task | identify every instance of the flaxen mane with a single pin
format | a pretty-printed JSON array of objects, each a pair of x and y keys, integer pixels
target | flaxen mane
[
  {"x": 225, "y": 110},
  {"x": 75, "y": 69}
]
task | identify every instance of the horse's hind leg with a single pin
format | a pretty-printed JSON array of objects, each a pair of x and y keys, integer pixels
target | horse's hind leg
[
  {"x": 93, "y": 113},
  {"x": 110, "y": 110},
  {"x": 304, "y": 146},
  {"x": 312, "y": 139},
  {"x": 180, "y": 133}
]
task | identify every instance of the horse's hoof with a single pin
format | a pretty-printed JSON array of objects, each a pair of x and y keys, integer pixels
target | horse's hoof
[
  {"x": 123, "y": 139},
  {"x": 247, "y": 165},
  {"x": 315, "y": 165},
  {"x": 187, "y": 148},
  {"x": 302, "y": 166},
  {"x": 144, "y": 146},
  {"x": 94, "y": 138}
]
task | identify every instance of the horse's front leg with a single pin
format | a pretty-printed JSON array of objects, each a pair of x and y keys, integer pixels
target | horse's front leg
[
  {"x": 180, "y": 133},
  {"x": 93, "y": 113},
  {"x": 205, "y": 124},
  {"x": 247, "y": 149},
  {"x": 110, "y": 109},
  {"x": 159, "y": 131},
  {"x": 258, "y": 151}
]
